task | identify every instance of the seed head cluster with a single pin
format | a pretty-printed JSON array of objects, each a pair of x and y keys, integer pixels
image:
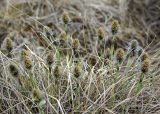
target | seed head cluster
[
  {"x": 134, "y": 45},
  {"x": 9, "y": 44},
  {"x": 75, "y": 43},
  {"x": 24, "y": 53},
  {"x": 65, "y": 17},
  {"x": 144, "y": 56},
  {"x": 145, "y": 62},
  {"x": 26, "y": 59},
  {"x": 103, "y": 64},
  {"x": 36, "y": 95},
  {"x": 145, "y": 66},
  {"x": 115, "y": 27},
  {"x": 101, "y": 33},
  {"x": 120, "y": 54},
  {"x": 13, "y": 70},
  {"x": 77, "y": 71},
  {"x": 28, "y": 62},
  {"x": 50, "y": 58},
  {"x": 57, "y": 71},
  {"x": 63, "y": 36},
  {"x": 22, "y": 80}
]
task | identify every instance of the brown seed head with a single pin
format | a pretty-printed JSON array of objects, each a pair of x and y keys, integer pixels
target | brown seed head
[
  {"x": 57, "y": 71},
  {"x": 144, "y": 56},
  {"x": 75, "y": 43},
  {"x": 134, "y": 44},
  {"x": 28, "y": 62},
  {"x": 9, "y": 44},
  {"x": 120, "y": 54},
  {"x": 114, "y": 27},
  {"x": 36, "y": 95},
  {"x": 63, "y": 36},
  {"x": 65, "y": 17},
  {"x": 13, "y": 70},
  {"x": 77, "y": 71},
  {"x": 50, "y": 58},
  {"x": 22, "y": 80},
  {"x": 145, "y": 65},
  {"x": 24, "y": 53},
  {"x": 101, "y": 33}
]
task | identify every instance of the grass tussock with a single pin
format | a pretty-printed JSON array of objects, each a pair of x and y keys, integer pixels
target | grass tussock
[{"x": 78, "y": 57}]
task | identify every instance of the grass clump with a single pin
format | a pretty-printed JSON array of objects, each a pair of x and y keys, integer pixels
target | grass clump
[{"x": 74, "y": 68}]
